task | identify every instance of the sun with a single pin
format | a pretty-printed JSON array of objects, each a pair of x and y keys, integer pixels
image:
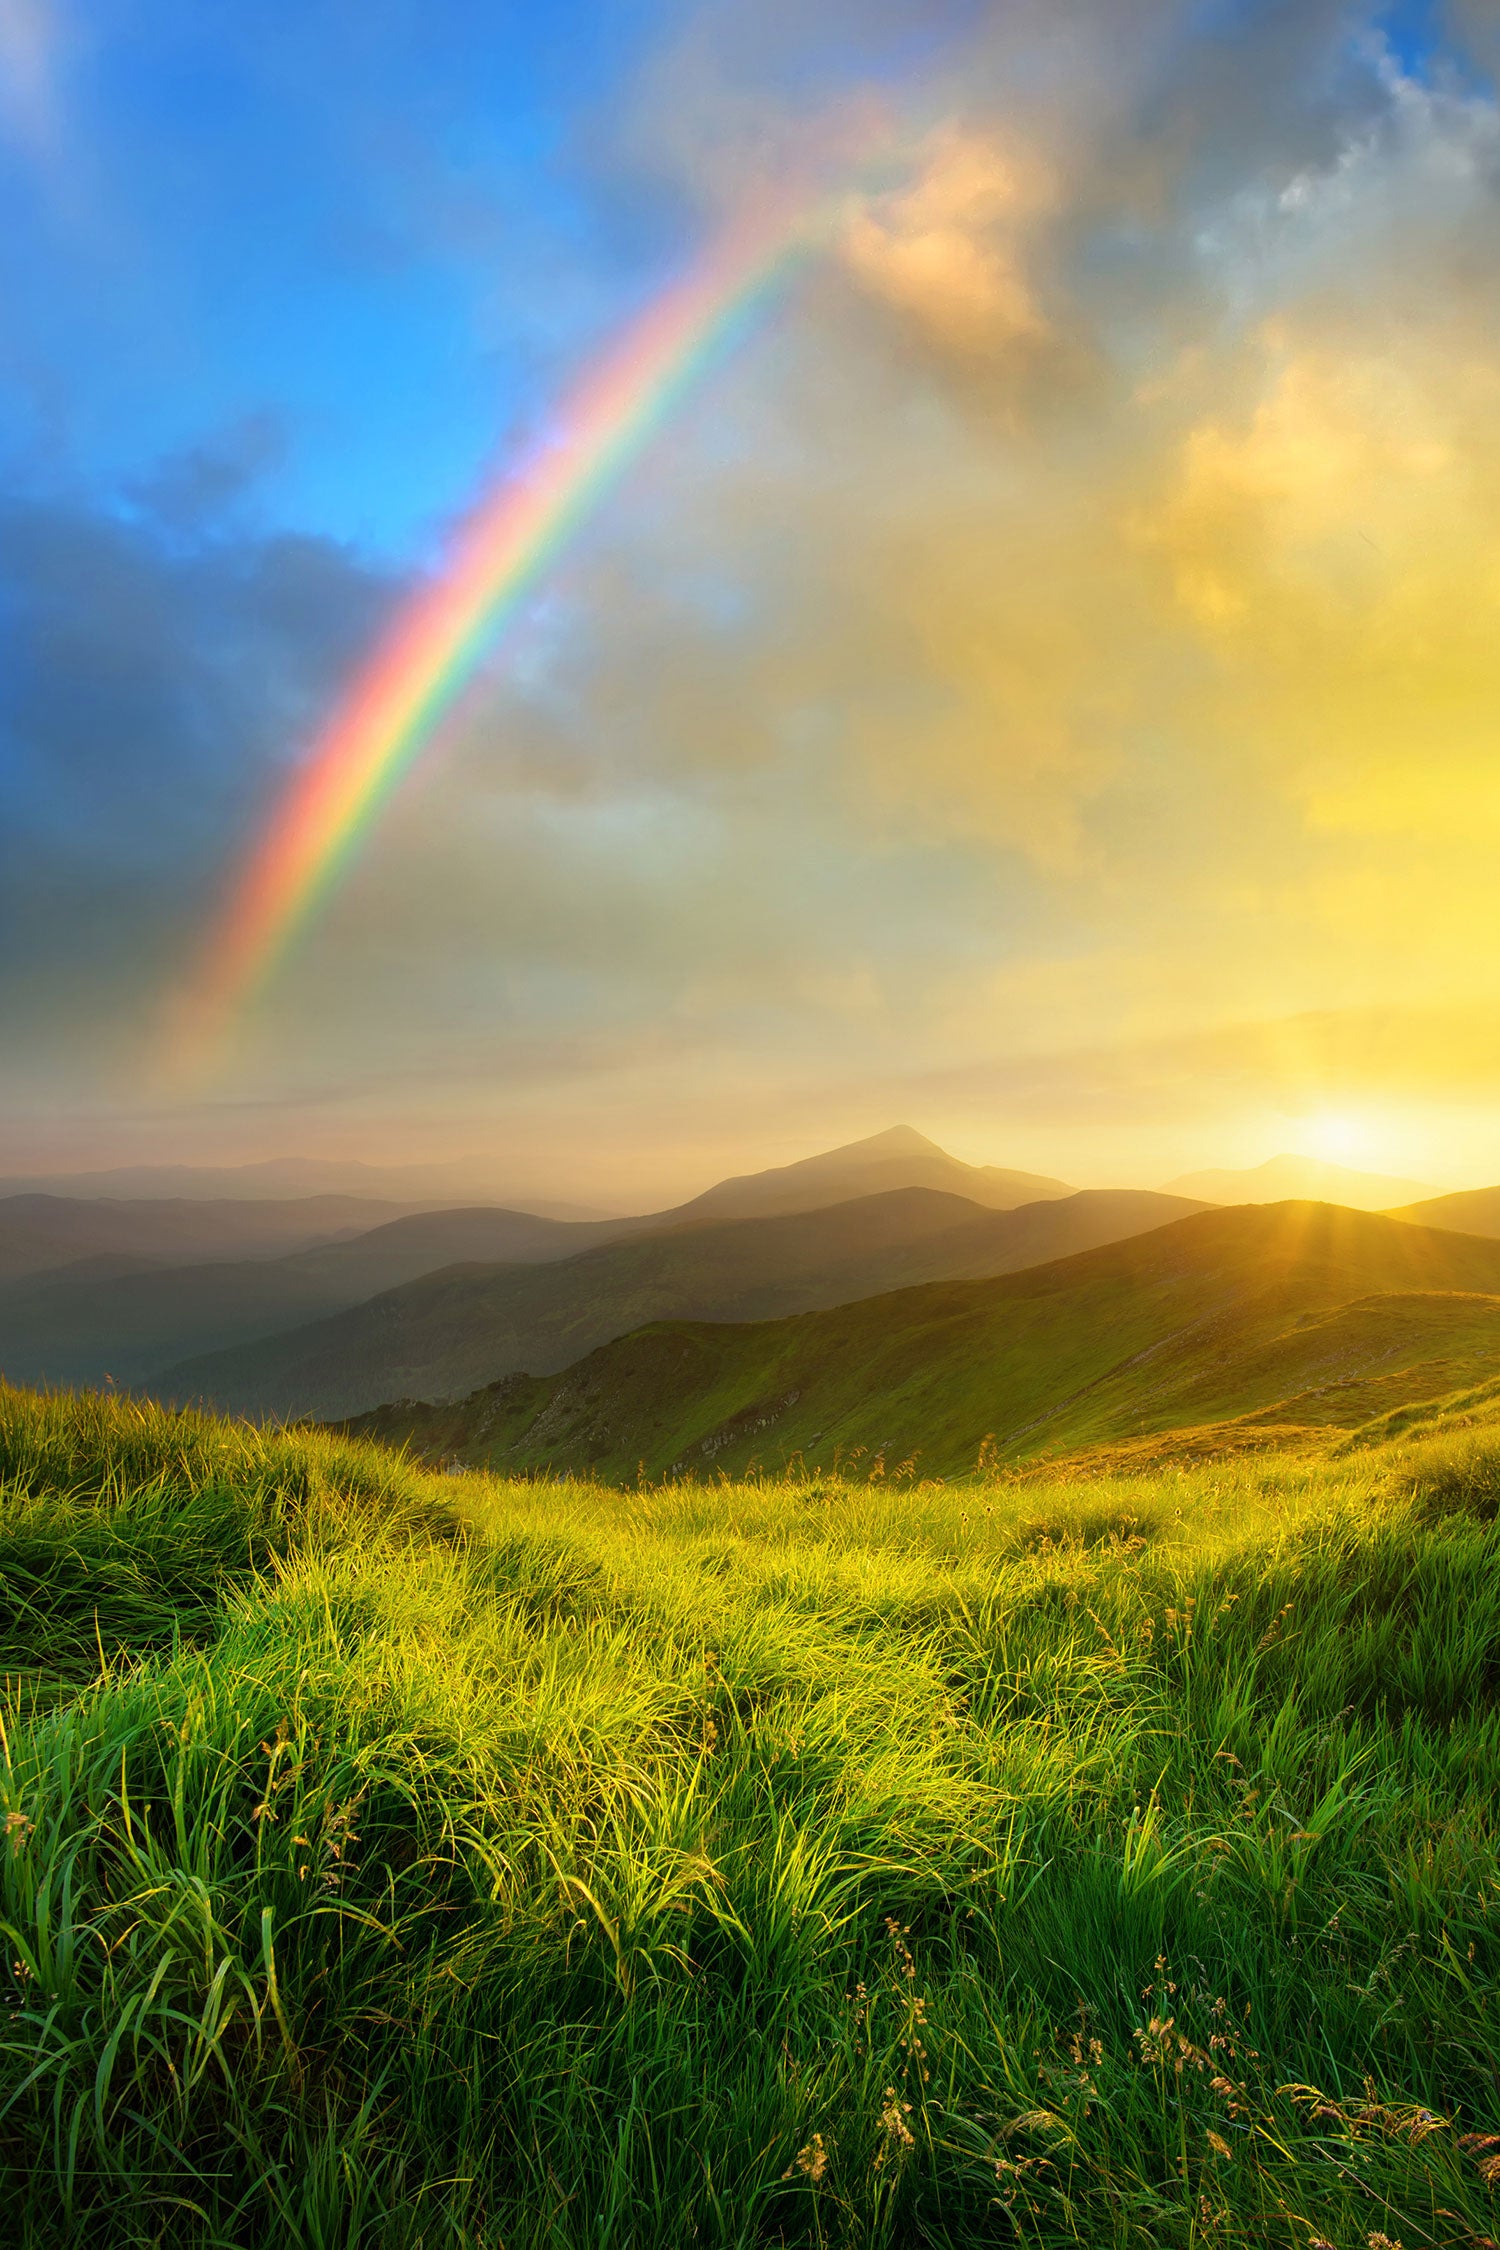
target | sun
[{"x": 1335, "y": 1135}]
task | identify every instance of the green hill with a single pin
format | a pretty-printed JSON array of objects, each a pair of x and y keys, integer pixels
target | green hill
[
  {"x": 1290, "y": 1314},
  {"x": 451, "y": 1330},
  {"x": 391, "y": 1861}
]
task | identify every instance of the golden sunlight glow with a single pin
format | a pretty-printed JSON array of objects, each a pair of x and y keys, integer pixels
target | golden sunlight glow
[{"x": 1337, "y": 1137}]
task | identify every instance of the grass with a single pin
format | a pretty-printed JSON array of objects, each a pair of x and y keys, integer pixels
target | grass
[{"x": 398, "y": 1860}]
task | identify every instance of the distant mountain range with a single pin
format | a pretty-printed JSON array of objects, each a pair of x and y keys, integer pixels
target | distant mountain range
[
  {"x": 1284, "y": 1179},
  {"x": 331, "y": 1305},
  {"x": 1262, "y": 1323},
  {"x": 89, "y": 1288},
  {"x": 899, "y": 1157},
  {"x": 127, "y": 1314},
  {"x": 467, "y": 1323},
  {"x": 41, "y": 1233},
  {"x": 414, "y": 1186}
]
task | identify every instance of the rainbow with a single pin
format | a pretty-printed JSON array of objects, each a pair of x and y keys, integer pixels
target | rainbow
[{"x": 510, "y": 540}]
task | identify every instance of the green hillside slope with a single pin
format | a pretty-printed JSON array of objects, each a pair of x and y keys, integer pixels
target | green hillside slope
[
  {"x": 389, "y": 1861},
  {"x": 446, "y": 1333},
  {"x": 1300, "y": 1313}
]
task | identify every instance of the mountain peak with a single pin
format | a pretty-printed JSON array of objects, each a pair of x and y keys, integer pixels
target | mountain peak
[
  {"x": 896, "y": 1140},
  {"x": 900, "y": 1157}
]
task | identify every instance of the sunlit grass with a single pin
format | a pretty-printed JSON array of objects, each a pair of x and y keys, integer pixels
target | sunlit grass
[{"x": 393, "y": 1859}]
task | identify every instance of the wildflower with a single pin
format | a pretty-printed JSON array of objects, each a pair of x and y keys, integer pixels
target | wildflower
[
  {"x": 1219, "y": 2145},
  {"x": 811, "y": 2161},
  {"x": 893, "y": 2121}
]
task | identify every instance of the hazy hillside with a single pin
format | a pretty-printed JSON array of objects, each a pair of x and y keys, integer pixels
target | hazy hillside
[
  {"x": 444, "y": 1334},
  {"x": 40, "y": 1233},
  {"x": 128, "y": 1317},
  {"x": 407, "y": 1247},
  {"x": 1471, "y": 1211},
  {"x": 1304, "y": 1178},
  {"x": 1303, "y": 1314},
  {"x": 130, "y": 1293},
  {"x": 114, "y": 1317}
]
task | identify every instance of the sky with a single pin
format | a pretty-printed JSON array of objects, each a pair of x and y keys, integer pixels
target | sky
[{"x": 1038, "y": 681}]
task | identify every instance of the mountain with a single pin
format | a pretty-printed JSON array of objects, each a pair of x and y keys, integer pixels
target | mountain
[
  {"x": 895, "y": 1159},
  {"x": 39, "y": 1233},
  {"x": 1471, "y": 1211},
  {"x": 106, "y": 1286},
  {"x": 1288, "y": 1318},
  {"x": 410, "y": 1186},
  {"x": 424, "y": 1241},
  {"x": 468, "y": 1324},
  {"x": 898, "y": 1158},
  {"x": 126, "y": 1315},
  {"x": 1298, "y": 1178}
]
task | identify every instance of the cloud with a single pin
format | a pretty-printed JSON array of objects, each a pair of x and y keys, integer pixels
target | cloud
[
  {"x": 154, "y": 691},
  {"x": 192, "y": 489},
  {"x": 1049, "y": 667},
  {"x": 945, "y": 248},
  {"x": 31, "y": 37}
]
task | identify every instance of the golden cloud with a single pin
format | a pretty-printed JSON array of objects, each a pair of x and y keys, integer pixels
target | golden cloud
[{"x": 948, "y": 250}]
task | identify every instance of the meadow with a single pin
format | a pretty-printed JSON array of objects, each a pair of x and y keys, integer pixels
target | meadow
[{"x": 392, "y": 1859}]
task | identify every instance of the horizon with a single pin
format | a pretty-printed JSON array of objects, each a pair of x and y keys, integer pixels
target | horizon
[
  {"x": 715, "y": 582},
  {"x": 473, "y": 1174}
]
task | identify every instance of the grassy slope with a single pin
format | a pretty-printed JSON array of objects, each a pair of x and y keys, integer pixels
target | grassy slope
[
  {"x": 1297, "y": 1313},
  {"x": 810, "y": 1864},
  {"x": 455, "y": 1329}
]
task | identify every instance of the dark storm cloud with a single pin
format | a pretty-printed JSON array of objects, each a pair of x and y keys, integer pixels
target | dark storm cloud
[
  {"x": 194, "y": 488},
  {"x": 154, "y": 681}
]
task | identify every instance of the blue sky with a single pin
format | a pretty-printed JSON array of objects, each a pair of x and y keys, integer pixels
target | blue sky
[
  {"x": 379, "y": 236},
  {"x": 329, "y": 220},
  {"x": 865, "y": 755}
]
